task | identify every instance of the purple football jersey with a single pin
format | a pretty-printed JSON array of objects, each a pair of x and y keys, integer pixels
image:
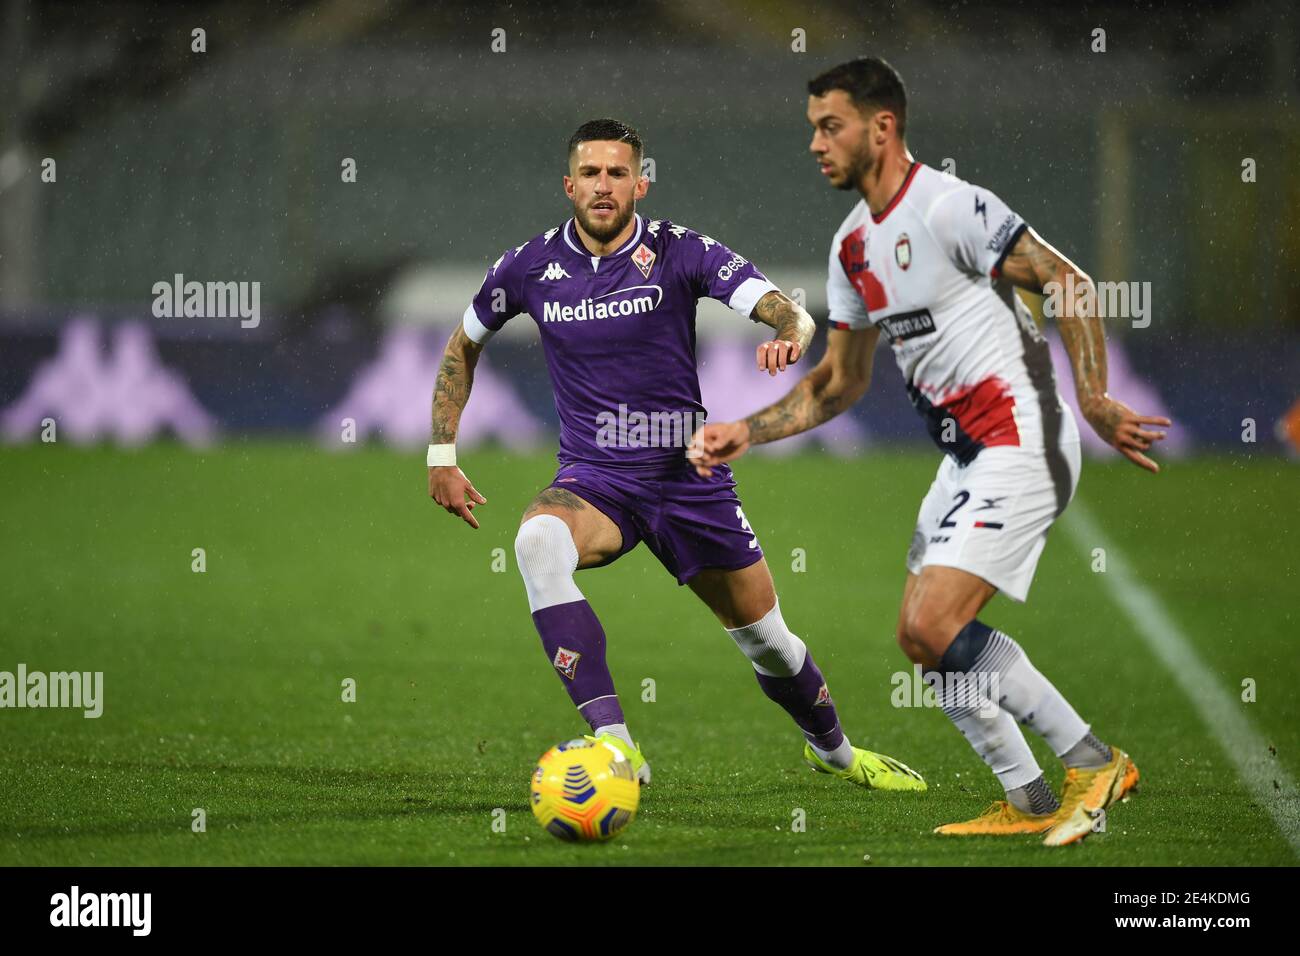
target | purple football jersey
[{"x": 618, "y": 332}]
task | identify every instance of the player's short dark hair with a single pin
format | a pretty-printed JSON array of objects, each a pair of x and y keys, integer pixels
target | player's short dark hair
[
  {"x": 610, "y": 129},
  {"x": 871, "y": 83}
]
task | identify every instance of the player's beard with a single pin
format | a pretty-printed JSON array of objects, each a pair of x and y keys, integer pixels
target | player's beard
[
  {"x": 604, "y": 232},
  {"x": 860, "y": 163}
]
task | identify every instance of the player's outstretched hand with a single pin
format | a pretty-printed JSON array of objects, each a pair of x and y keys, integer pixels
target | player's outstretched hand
[
  {"x": 450, "y": 488},
  {"x": 715, "y": 443},
  {"x": 774, "y": 356},
  {"x": 1123, "y": 429}
]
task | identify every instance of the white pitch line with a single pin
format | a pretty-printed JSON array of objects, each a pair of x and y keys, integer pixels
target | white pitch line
[{"x": 1221, "y": 712}]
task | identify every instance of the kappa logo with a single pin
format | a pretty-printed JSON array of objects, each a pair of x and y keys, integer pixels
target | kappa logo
[
  {"x": 903, "y": 252},
  {"x": 644, "y": 259},
  {"x": 554, "y": 271},
  {"x": 566, "y": 662},
  {"x": 990, "y": 503},
  {"x": 550, "y": 234},
  {"x": 823, "y": 697}
]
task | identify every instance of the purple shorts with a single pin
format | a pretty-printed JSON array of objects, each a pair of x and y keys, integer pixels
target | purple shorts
[{"x": 690, "y": 523}]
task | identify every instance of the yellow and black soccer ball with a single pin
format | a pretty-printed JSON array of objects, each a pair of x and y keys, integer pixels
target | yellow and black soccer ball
[{"x": 584, "y": 790}]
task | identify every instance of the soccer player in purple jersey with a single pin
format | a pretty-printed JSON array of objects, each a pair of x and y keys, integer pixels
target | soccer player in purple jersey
[{"x": 613, "y": 295}]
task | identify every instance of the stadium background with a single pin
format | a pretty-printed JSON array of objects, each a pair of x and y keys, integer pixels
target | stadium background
[{"x": 225, "y": 165}]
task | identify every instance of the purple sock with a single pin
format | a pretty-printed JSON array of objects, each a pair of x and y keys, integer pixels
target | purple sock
[
  {"x": 574, "y": 643},
  {"x": 805, "y": 698}
]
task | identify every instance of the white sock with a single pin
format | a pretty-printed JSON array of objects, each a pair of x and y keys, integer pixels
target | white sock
[
  {"x": 991, "y": 731},
  {"x": 547, "y": 559},
  {"x": 770, "y": 646},
  {"x": 1029, "y": 696},
  {"x": 841, "y": 758},
  {"x": 616, "y": 730}
]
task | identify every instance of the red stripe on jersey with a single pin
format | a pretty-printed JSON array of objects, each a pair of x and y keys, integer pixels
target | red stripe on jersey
[
  {"x": 985, "y": 412},
  {"x": 853, "y": 257},
  {"x": 898, "y": 196},
  {"x": 839, "y": 325}
]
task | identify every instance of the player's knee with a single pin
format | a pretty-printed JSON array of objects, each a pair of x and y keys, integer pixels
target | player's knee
[
  {"x": 544, "y": 545},
  {"x": 913, "y": 651},
  {"x": 926, "y": 632}
]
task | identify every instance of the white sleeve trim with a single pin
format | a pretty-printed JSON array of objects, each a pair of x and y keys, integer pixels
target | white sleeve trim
[
  {"x": 474, "y": 328},
  {"x": 748, "y": 293}
]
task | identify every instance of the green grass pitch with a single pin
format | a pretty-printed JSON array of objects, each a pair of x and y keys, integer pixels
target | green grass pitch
[{"x": 223, "y": 689}]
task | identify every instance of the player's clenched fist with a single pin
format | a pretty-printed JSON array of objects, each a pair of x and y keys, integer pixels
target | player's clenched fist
[
  {"x": 450, "y": 488},
  {"x": 774, "y": 356},
  {"x": 713, "y": 444}
]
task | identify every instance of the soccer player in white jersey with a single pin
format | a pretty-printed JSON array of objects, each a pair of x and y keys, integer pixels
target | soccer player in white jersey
[{"x": 930, "y": 261}]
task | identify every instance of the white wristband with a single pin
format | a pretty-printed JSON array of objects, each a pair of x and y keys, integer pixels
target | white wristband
[{"x": 441, "y": 455}]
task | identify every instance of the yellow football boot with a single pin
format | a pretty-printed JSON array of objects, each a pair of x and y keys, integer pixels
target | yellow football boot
[
  {"x": 1098, "y": 789},
  {"x": 1087, "y": 794},
  {"x": 871, "y": 770},
  {"x": 1001, "y": 819}
]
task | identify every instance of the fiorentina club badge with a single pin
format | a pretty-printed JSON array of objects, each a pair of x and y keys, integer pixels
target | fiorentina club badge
[
  {"x": 823, "y": 697},
  {"x": 644, "y": 259},
  {"x": 566, "y": 662},
  {"x": 903, "y": 251}
]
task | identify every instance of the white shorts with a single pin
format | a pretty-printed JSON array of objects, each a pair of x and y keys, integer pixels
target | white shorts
[{"x": 991, "y": 517}]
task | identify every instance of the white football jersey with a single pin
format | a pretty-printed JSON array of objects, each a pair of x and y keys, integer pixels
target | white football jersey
[{"x": 925, "y": 272}]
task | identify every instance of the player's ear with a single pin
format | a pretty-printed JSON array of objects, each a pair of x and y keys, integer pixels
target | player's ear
[
  {"x": 884, "y": 121},
  {"x": 642, "y": 187},
  {"x": 568, "y": 187}
]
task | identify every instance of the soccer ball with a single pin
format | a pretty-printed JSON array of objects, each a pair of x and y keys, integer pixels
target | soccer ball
[{"x": 584, "y": 790}]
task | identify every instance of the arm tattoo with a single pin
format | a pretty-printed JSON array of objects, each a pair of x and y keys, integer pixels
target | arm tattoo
[
  {"x": 806, "y": 406},
  {"x": 1085, "y": 341},
  {"x": 1033, "y": 264},
  {"x": 782, "y": 313},
  {"x": 451, "y": 390}
]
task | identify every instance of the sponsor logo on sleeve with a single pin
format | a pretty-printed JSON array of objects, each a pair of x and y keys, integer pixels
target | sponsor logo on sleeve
[
  {"x": 1004, "y": 233},
  {"x": 732, "y": 267}
]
